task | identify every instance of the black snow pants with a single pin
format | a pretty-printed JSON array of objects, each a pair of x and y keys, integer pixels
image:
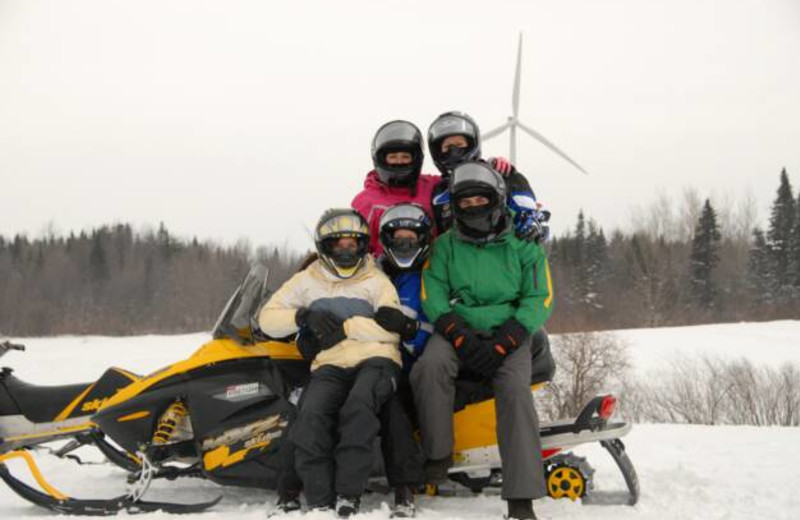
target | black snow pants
[
  {"x": 336, "y": 427},
  {"x": 402, "y": 455}
]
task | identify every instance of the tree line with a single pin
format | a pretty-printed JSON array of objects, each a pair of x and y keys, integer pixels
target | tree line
[
  {"x": 700, "y": 264},
  {"x": 691, "y": 264},
  {"x": 112, "y": 280}
]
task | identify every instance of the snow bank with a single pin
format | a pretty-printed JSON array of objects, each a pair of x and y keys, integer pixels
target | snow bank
[{"x": 687, "y": 472}]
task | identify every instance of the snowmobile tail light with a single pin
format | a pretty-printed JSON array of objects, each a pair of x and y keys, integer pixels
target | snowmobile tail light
[
  {"x": 607, "y": 407},
  {"x": 547, "y": 453}
]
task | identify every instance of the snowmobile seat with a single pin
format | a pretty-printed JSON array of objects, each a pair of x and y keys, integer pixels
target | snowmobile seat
[{"x": 40, "y": 404}]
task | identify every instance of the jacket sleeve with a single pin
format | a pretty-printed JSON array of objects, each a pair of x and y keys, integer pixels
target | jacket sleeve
[
  {"x": 361, "y": 328},
  {"x": 276, "y": 318},
  {"x": 435, "y": 291},
  {"x": 520, "y": 193},
  {"x": 536, "y": 295}
]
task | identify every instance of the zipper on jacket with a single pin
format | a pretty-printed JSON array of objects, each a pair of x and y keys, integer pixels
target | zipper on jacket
[{"x": 535, "y": 278}]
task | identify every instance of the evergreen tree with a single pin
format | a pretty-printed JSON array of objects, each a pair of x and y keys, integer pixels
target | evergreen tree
[
  {"x": 779, "y": 236},
  {"x": 581, "y": 289},
  {"x": 705, "y": 256},
  {"x": 794, "y": 252},
  {"x": 759, "y": 273},
  {"x": 98, "y": 264},
  {"x": 595, "y": 264}
]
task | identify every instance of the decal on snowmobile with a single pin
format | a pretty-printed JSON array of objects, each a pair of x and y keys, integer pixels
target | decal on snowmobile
[
  {"x": 243, "y": 392},
  {"x": 93, "y": 406},
  {"x": 236, "y": 445}
]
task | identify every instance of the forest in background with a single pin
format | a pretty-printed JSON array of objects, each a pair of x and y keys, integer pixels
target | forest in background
[{"x": 683, "y": 262}]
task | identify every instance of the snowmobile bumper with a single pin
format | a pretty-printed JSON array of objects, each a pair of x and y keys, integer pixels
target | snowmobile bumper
[{"x": 55, "y": 500}]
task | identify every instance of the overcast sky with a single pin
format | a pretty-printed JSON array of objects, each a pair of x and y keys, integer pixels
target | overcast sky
[{"x": 246, "y": 119}]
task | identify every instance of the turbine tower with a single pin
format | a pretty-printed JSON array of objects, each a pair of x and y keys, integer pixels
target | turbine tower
[{"x": 513, "y": 122}]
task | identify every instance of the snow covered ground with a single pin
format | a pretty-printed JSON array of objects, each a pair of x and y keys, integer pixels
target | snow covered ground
[{"x": 686, "y": 472}]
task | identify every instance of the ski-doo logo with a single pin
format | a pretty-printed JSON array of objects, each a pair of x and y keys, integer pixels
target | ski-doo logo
[
  {"x": 240, "y": 391},
  {"x": 93, "y": 406}
]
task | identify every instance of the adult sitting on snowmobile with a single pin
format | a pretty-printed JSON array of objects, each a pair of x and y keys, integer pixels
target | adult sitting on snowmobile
[
  {"x": 397, "y": 157},
  {"x": 487, "y": 292},
  {"x": 354, "y": 361},
  {"x": 454, "y": 138}
]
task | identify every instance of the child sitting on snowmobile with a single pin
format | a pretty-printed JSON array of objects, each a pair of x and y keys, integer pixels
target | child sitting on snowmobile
[
  {"x": 354, "y": 361},
  {"x": 405, "y": 234},
  {"x": 486, "y": 291},
  {"x": 454, "y": 138},
  {"x": 397, "y": 158}
]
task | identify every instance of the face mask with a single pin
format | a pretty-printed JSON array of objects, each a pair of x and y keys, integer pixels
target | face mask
[
  {"x": 346, "y": 257},
  {"x": 454, "y": 156}
]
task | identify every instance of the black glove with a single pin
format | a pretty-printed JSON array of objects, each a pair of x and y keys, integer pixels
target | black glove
[
  {"x": 453, "y": 328},
  {"x": 308, "y": 345},
  {"x": 509, "y": 337},
  {"x": 476, "y": 354},
  {"x": 394, "y": 320},
  {"x": 480, "y": 356},
  {"x": 328, "y": 330}
]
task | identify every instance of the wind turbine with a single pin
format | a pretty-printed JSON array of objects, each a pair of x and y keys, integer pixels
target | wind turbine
[{"x": 513, "y": 122}]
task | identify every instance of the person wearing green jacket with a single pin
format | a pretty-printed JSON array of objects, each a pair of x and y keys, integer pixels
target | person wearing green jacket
[{"x": 487, "y": 292}]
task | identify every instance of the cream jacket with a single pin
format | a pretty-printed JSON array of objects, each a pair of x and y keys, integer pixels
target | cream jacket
[{"x": 354, "y": 300}]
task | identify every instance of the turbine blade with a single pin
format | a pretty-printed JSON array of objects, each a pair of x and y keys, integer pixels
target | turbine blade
[
  {"x": 497, "y": 131},
  {"x": 542, "y": 139},
  {"x": 515, "y": 96}
]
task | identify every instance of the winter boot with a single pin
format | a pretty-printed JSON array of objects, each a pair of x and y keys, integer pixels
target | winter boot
[
  {"x": 404, "y": 502},
  {"x": 520, "y": 509},
  {"x": 286, "y": 504},
  {"x": 347, "y": 506},
  {"x": 436, "y": 470}
]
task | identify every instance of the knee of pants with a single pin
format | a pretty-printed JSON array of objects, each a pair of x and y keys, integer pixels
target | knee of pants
[
  {"x": 431, "y": 366},
  {"x": 313, "y": 430},
  {"x": 357, "y": 405},
  {"x": 513, "y": 390}
]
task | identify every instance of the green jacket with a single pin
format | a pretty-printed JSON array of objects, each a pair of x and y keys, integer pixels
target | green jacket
[{"x": 488, "y": 284}]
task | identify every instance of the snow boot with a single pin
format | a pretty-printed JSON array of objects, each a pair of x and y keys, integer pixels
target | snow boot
[
  {"x": 403, "y": 502},
  {"x": 347, "y": 506},
  {"x": 436, "y": 470},
  {"x": 520, "y": 509},
  {"x": 286, "y": 504}
]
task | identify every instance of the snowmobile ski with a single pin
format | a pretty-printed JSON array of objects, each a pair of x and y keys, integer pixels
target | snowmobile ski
[{"x": 54, "y": 500}]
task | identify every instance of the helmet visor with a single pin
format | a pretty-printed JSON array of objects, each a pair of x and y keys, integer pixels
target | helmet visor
[
  {"x": 404, "y": 213},
  {"x": 344, "y": 225},
  {"x": 397, "y": 134},
  {"x": 451, "y": 125}
]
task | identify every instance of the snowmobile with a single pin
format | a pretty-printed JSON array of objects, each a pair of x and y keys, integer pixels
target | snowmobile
[{"x": 222, "y": 415}]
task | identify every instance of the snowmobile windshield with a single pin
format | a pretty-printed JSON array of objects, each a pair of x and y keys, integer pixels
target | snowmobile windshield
[{"x": 237, "y": 319}]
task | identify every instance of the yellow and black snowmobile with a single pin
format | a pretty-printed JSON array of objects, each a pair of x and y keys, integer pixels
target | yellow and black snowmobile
[{"x": 222, "y": 414}]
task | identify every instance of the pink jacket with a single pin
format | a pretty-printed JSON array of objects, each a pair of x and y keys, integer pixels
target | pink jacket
[{"x": 376, "y": 197}]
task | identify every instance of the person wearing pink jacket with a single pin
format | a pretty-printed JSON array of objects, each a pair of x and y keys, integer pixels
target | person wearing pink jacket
[{"x": 397, "y": 157}]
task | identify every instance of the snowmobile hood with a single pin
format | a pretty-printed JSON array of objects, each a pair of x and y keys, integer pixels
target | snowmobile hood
[{"x": 215, "y": 351}]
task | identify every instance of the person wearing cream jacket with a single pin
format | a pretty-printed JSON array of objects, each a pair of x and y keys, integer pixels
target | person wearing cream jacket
[{"x": 354, "y": 361}]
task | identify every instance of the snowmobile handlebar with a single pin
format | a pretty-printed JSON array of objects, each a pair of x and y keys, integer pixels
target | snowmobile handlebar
[{"x": 7, "y": 345}]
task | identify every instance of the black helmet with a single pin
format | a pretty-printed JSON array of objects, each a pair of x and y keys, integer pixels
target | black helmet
[
  {"x": 336, "y": 224},
  {"x": 478, "y": 224},
  {"x": 406, "y": 253},
  {"x": 449, "y": 124},
  {"x": 398, "y": 136}
]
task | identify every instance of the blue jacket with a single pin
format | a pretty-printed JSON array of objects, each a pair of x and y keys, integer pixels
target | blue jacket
[{"x": 409, "y": 285}]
